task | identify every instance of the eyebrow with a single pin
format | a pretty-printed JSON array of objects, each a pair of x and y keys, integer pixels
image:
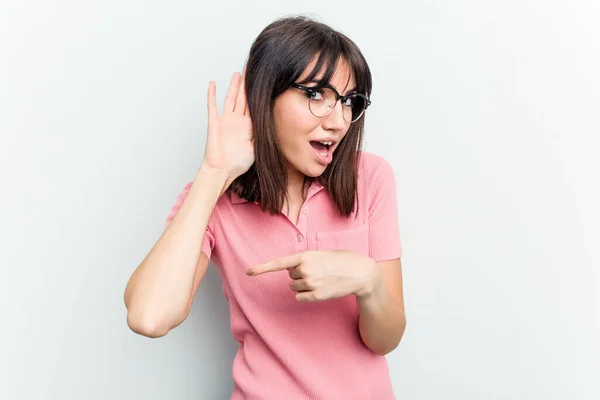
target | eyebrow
[{"x": 328, "y": 85}]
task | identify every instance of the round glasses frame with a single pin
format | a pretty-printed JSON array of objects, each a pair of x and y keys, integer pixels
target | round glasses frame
[{"x": 310, "y": 90}]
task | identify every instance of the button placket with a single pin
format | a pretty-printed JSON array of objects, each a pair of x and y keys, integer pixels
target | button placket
[
  {"x": 304, "y": 238},
  {"x": 301, "y": 239}
]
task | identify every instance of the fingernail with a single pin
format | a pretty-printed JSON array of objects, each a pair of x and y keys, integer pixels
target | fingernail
[{"x": 249, "y": 271}]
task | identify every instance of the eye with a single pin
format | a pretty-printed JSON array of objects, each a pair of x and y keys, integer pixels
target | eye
[
  {"x": 350, "y": 101},
  {"x": 314, "y": 94}
]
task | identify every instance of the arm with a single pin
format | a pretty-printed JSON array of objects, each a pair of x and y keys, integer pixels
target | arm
[
  {"x": 381, "y": 309},
  {"x": 161, "y": 289},
  {"x": 382, "y": 319},
  {"x": 330, "y": 274},
  {"x": 375, "y": 280},
  {"x": 160, "y": 292}
]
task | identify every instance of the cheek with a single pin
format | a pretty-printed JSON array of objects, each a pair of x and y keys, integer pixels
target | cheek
[{"x": 294, "y": 123}]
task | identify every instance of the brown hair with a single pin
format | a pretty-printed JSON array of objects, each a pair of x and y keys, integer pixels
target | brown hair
[{"x": 278, "y": 57}]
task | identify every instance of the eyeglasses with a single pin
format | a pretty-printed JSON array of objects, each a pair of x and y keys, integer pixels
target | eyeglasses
[{"x": 322, "y": 101}]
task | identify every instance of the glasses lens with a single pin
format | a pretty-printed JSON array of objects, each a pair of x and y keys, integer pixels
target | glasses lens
[
  {"x": 322, "y": 103},
  {"x": 357, "y": 105}
]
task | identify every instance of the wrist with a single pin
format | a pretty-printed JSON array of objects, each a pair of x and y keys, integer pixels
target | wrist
[
  {"x": 373, "y": 283},
  {"x": 214, "y": 177}
]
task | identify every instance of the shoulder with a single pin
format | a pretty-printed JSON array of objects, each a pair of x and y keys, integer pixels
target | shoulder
[
  {"x": 374, "y": 169},
  {"x": 376, "y": 179}
]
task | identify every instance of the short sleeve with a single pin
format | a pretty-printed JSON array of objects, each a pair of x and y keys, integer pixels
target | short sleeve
[
  {"x": 209, "y": 240},
  {"x": 384, "y": 231}
]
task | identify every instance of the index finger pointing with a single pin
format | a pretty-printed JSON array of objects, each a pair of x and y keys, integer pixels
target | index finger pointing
[{"x": 277, "y": 264}]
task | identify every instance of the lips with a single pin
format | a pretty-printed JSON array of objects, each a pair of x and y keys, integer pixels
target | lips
[{"x": 323, "y": 151}]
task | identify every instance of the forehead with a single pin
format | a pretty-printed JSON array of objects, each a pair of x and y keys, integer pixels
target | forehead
[{"x": 342, "y": 79}]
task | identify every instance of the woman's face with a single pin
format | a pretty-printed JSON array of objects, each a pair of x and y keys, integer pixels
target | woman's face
[{"x": 299, "y": 131}]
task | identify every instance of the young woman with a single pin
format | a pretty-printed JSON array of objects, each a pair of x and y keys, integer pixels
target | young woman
[{"x": 300, "y": 222}]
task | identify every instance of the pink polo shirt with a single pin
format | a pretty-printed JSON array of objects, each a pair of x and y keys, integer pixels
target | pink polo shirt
[{"x": 289, "y": 349}]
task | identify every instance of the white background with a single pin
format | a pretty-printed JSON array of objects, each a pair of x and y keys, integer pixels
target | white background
[{"x": 489, "y": 112}]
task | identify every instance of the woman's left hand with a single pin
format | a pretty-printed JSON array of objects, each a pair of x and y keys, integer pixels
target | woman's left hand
[{"x": 319, "y": 275}]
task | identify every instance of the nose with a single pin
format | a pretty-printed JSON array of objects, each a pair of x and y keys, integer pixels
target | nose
[{"x": 335, "y": 120}]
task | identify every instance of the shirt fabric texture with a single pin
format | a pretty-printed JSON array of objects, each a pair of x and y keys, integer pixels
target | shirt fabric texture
[{"x": 298, "y": 350}]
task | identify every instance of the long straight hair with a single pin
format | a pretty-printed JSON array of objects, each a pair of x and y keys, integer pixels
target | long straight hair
[{"x": 277, "y": 58}]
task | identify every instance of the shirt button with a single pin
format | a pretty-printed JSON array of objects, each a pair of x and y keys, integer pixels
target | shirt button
[
  {"x": 299, "y": 237},
  {"x": 305, "y": 211}
]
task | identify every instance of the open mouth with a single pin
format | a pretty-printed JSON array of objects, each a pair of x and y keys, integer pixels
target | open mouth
[
  {"x": 323, "y": 150},
  {"x": 321, "y": 147}
]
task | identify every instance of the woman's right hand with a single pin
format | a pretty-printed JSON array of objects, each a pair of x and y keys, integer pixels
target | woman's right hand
[{"x": 229, "y": 143}]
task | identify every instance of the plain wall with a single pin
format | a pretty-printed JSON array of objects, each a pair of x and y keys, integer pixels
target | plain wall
[{"x": 487, "y": 110}]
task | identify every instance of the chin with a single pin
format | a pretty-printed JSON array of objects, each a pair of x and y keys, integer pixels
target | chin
[
  {"x": 313, "y": 169},
  {"x": 314, "y": 173},
  {"x": 307, "y": 165}
]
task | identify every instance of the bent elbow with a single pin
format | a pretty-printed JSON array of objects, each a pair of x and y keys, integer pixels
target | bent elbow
[{"x": 146, "y": 326}]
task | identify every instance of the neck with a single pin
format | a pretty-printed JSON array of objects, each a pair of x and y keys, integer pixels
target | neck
[{"x": 295, "y": 189}]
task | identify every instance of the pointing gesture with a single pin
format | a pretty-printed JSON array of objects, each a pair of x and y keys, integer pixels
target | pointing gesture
[{"x": 323, "y": 275}]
